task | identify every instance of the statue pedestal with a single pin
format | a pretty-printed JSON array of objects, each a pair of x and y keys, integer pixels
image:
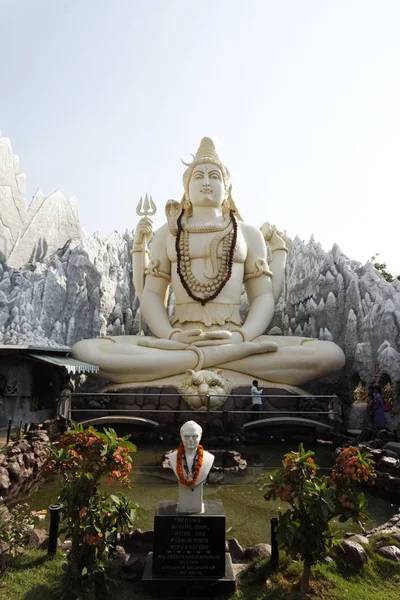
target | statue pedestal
[
  {"x": 189, "y": 555},
  {"x": 190, "y": 499}
]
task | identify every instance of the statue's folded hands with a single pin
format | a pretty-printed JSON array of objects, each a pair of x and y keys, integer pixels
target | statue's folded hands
[{"x": 194, "y": 336}]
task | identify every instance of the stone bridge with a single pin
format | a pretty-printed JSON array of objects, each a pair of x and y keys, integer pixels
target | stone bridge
[
  {"x": 287, "y": 424},
  {"x": 290, "y": 423},
  {"x": 118, "y": 419}
]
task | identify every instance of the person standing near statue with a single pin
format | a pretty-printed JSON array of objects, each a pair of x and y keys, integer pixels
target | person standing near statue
[
  {"x": 379, "y": 409},
  {"x": 370, "y": 406},
  {"x": 335, "y": 412},
  {"x": 64, "y": 402},
  {"x": 256, "y": 398}
]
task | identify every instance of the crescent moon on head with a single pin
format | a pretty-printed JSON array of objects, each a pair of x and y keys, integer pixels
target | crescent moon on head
[{"x": 188, "y": 164}]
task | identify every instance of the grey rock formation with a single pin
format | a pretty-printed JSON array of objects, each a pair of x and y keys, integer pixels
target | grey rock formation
[
  {"x": 51, "y": 222},
  {"x": 79, "y": 292},
  {"x": 56, "y": 286},
  {"x": 21, "y": 460},
  {"x": 30, "y": 235},
  {"x": 329, "y": 296},
  {"x": 13, "y": 213}
]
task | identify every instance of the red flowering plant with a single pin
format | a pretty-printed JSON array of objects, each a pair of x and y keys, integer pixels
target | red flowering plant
[
  {"x": 304, "y": 529},
  {"x": 90, "y": 517}
]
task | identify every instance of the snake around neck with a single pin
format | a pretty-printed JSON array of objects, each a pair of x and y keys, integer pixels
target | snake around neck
[{"x": 227, "y": 235}]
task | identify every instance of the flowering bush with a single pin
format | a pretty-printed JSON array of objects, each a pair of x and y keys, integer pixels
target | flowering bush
[
  {"x": 304, "y": 530},
  {"x": 92, "y": 519}
]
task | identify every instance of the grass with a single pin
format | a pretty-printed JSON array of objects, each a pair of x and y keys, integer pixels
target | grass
[
  {"x": 31, "y": 577},
  {"x": 34, "y": 577},
  {"x": 380, "y": 580}
]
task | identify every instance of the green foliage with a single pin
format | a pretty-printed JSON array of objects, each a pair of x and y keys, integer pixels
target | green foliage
[
  {"x": 33, "y": 577},
  {"x": 15, "y": 531},
  {"x": 90, "y": 518},
  {"x": 304, "y": 529},
  {"x": 379, "y": 580},
  {"x": 382, "y": 269}
]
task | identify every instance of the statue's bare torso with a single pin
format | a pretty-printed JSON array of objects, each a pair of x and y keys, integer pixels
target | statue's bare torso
[{"x": 201, "y": 264}]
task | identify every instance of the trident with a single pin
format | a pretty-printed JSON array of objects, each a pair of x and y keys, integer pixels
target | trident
[{"x": 145, "y": 209}]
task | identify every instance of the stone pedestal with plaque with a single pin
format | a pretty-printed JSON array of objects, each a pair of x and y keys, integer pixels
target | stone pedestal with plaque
[{"x": 189, "y": 557}]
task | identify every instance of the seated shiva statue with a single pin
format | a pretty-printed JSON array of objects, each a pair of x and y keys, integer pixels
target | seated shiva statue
[{"x": 206, "y": 252}]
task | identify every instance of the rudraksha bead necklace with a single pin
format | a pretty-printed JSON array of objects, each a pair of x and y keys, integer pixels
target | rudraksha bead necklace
[{"x": 212, "y": 288}]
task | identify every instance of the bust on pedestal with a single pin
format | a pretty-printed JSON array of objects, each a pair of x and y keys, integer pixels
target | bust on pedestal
[
  {"x": 191, "y": 465},
  {"x": 189, "y": 555}
]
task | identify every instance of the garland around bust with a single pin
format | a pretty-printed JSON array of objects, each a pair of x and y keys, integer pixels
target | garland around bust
[{"x": 197, "y": 463}]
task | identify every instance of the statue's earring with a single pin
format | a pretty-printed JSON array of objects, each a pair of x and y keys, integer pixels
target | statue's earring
[
  {"x": 226, "y": 207},
  {"x": 187, "y": 206}
]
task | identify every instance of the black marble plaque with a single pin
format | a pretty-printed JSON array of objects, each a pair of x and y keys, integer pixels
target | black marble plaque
[
  {"x": 189, "y": 545},
  {"x": 188, "y": 587}
]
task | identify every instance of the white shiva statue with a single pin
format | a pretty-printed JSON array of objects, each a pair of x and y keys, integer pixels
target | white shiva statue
[{"x": 206, "y": 252}]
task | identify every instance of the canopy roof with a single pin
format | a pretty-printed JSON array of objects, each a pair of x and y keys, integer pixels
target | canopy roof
[{"x": 71, "y": 364}]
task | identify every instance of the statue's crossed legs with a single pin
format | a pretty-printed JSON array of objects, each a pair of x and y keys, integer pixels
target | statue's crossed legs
[{"x": 279, "y": 359}]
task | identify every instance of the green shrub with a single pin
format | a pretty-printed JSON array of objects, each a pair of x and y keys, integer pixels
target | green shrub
[
  {"x": 91, "y": 518},
  {"x": 304, "y": 529}
]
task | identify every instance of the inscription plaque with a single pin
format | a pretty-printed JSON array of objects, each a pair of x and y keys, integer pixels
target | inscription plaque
[{"x": 189, "y": 545}]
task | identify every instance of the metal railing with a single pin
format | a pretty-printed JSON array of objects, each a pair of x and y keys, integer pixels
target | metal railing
[{"x": 204, "y": 414}]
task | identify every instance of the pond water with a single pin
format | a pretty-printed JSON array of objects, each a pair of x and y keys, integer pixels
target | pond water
[{"x": 247, "y": 513}]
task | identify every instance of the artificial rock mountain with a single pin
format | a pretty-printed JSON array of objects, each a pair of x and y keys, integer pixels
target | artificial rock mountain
[{"x": 57, "y": 286}]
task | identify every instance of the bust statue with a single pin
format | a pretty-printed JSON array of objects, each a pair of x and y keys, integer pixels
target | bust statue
[
  {"x": 191, "y": 465},
  {"x": 206, "y": 252}
]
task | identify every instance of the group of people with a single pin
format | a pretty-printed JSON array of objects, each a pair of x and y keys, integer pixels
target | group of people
[{"x": 376, "y": 406}]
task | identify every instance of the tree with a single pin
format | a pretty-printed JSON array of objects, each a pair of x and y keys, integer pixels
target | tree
[
  {"x": 91, "y": 518},
  {"x": 304, "y": 529},
  {"x": 382, "y": 269}
]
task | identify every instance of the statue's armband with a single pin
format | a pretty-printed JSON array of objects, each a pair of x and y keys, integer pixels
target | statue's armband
[
  {"x": 260, "y": 268},
  {"x": 153, "y": 269}
]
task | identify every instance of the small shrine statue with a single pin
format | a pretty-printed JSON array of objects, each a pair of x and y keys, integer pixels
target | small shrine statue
[{"x": 191, "y": 465}]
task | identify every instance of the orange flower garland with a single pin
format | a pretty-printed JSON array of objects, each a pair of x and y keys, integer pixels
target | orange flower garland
[{"x": 179, "y": 465}]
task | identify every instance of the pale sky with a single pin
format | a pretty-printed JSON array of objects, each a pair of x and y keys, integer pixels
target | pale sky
[{"x": 103, "y": 98}]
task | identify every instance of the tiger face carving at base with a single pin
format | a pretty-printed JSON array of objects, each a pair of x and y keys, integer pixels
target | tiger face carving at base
[{"x": 197, "y": 386}]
